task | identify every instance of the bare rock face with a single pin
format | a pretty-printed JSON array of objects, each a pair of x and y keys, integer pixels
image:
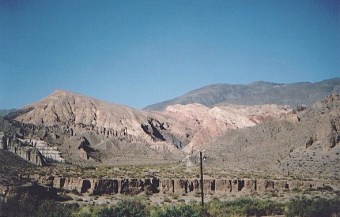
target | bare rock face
[
  {"x": 22, "y": 149},
  {"x": 75, "y": 114},
  {"x": 205, "y": 123},
  {"x": 3, "y": 145},
  {"x": 133, "y": 186},
  {"x": 50, "y": 153}
]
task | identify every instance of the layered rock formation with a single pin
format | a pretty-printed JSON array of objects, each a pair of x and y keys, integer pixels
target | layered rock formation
[
  {"x": 64, "y": 119},
  {"x": 35, "y": 151},
  {"x": 304, "y": 146},
  {"x": 50, "y": 153},
  {"x": 205, "y": 124},
  {"x": 175, "y": 186},
  {"x": 245, "y": 139},
  {"x": 22, "y": 149}
]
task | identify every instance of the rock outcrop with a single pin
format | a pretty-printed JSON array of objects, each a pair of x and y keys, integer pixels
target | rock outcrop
[
  {"x": 3, "y": 142},
  {"x": 205, "y": 124},
  {"x": 29, "y": 189},
  {"x": 22, "y": 149},
  {"x": 174, "y": 186},
  {"x": 51, "y": 153}
]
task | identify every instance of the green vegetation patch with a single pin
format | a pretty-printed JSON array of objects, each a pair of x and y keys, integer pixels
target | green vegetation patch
[
  {"x": 139, "y": 207},
  {"x": 312, "y": 207}
]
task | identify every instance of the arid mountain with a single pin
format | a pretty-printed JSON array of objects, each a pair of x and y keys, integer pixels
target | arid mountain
[
  {"x": 77, "y": 123},
  {"x": 205, "y": 124},
  {"x": 87, "y": 130},
  {"x": 4, "y": 112},
  {"x": 256, "y": 93},
  {"x": 265, "y": 139},
  {"x": 76, "y": 148}
]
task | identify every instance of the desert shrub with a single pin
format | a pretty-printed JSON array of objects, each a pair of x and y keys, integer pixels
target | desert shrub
[
  {"x": 314, "y": 207},
  {"x": 216, "y": 208},
  {"x": 49, "y": 208},
  {"x": 325, "y": 188},
  {"x": 20, "y": 207},
  {"x": 167, "y": 200},
  {"x": 251, "y": 207},
  {"x": 181, "y": 210},
  {"x": 32, "y": 206},
  {"x": 254, "y": 207},
  {"x": 149, "y": 190},
  {"x": 125, "y": 208},
  {"x": 88, "y": 211}
]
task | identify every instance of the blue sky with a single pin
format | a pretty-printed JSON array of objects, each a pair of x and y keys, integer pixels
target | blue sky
[{"x": 141, "y": 52}]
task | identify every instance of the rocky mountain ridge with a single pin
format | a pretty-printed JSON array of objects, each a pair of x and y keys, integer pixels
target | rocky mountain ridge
[
  {"x": 65, "y": 120},
  {"x": 257, "y": 93},
  {"x": 304, "y": 143},
  {"x": 249, "y": 139},
  {"x": 249, "y": 150},
  {"x": 208, "y": 123},
  {"x": 69, "y": 118}
]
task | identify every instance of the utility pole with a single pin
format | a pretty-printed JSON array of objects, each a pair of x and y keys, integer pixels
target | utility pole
[{"x": 202, "y": 193}]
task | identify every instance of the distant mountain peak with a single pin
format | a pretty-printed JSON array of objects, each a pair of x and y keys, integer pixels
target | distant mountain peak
[
  {"x": 256, "y": 93},
  {"x": 60, "y": 92},
  {"x": 265, "y": 83}
]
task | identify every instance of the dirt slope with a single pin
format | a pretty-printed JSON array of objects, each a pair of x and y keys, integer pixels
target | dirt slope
[{"x": 304, "y": 143}]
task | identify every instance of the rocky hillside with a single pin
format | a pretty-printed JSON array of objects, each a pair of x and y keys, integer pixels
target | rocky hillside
[
  {"x": 4, "y": 112},
  {"x": 303, "y": 143},
  {"x": 256, "y": 93},
  {"x": 262, "y": 139},
  {"x": 12, "y": 168},
  {"x": 84, "y": 129},
  {"x": 205, "y": 124}
]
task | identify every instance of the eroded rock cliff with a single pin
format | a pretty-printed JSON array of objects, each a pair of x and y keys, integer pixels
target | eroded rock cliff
[
  {"x": 155, "y": 185},
  {"x": 22, "y": 149}
]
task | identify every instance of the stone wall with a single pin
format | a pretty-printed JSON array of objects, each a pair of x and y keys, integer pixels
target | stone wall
[{"x": 174, "y": 186}]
